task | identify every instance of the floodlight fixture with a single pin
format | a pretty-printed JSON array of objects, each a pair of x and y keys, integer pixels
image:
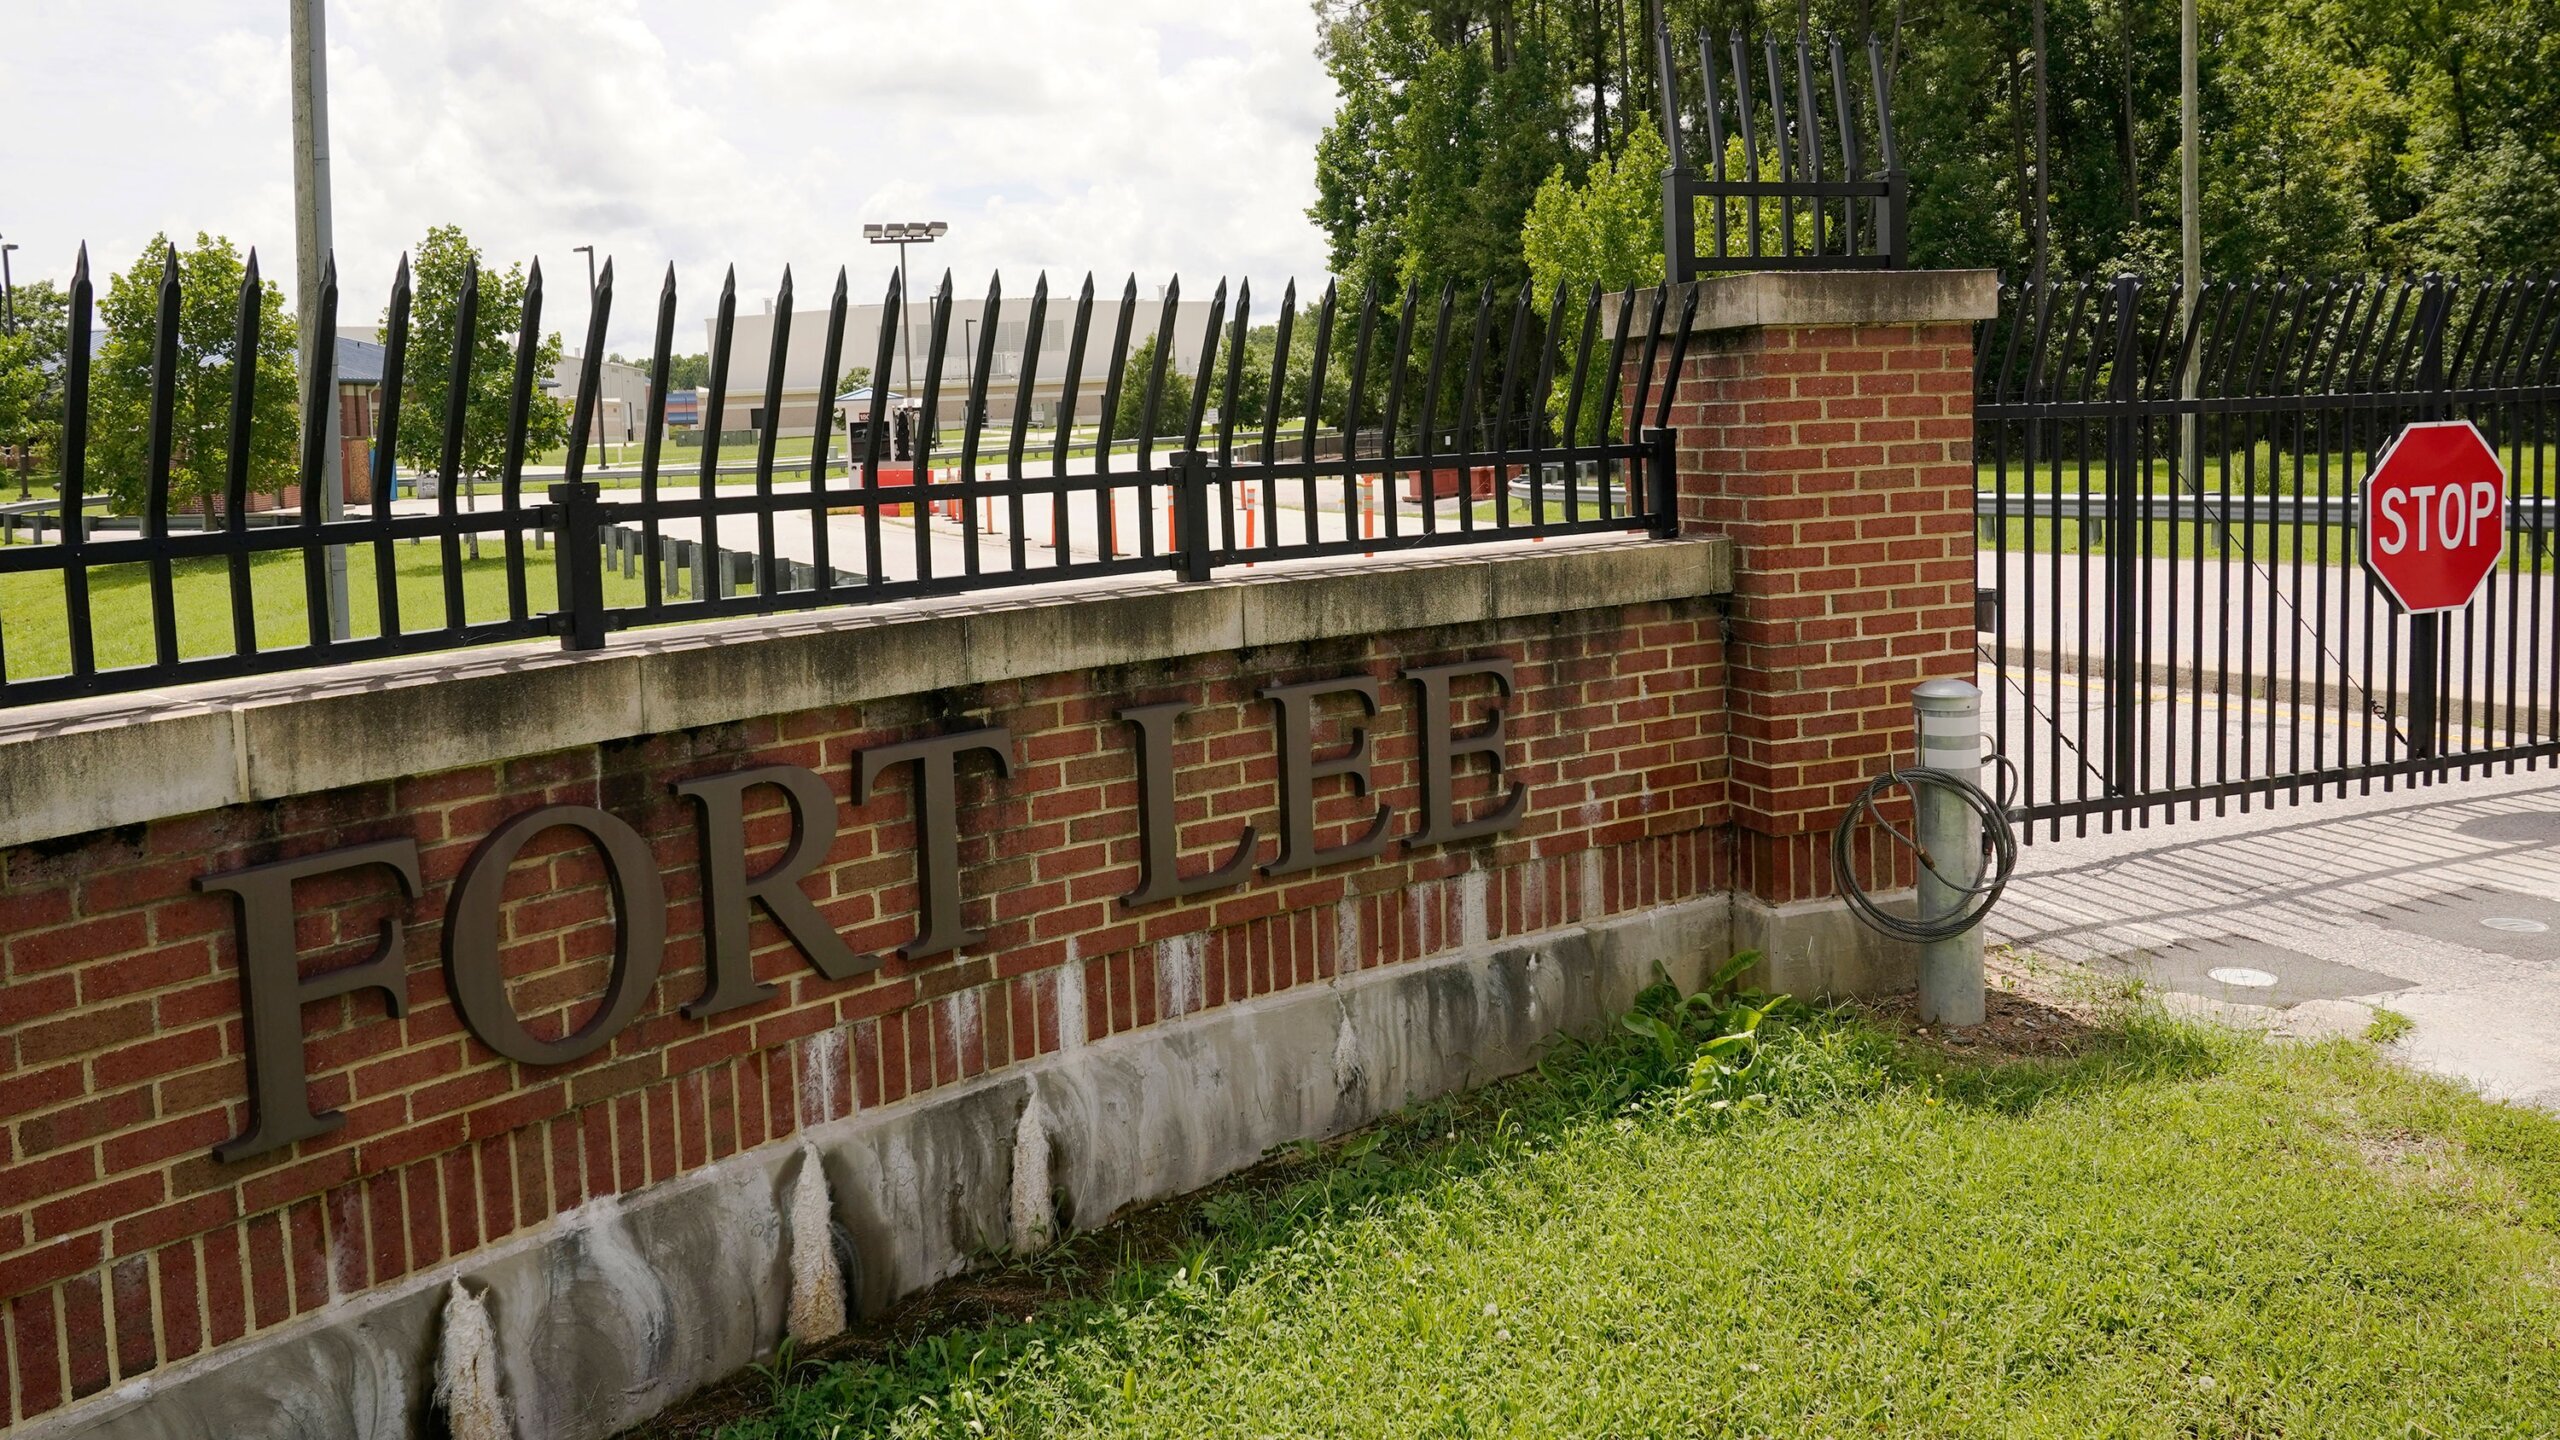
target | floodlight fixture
[{"x": 903, "y": 233}]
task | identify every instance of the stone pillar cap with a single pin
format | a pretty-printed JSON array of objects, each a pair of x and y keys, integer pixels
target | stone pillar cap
[{"x": 1824, "y": 297}]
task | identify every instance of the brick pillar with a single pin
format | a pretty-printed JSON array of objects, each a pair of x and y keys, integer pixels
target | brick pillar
[{"x": 1826, "y": 425}]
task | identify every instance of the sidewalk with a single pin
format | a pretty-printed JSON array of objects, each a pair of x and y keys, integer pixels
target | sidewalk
[{"x": 2441, "y": 903}]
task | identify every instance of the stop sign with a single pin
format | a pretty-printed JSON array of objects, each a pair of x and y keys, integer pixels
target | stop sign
[{"x": 2435, "y": 515}]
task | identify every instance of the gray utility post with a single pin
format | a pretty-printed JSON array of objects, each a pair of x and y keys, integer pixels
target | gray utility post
[
  {"x": 8, "y": 287},
  {"x": 1948, "y": 714},
  {"x": 312, "y": 242}
]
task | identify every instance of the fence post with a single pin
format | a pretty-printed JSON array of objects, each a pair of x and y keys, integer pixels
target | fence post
[
  {"x": 1897, "y": 220},
  {"x": 1662, "y": 480},
  {"x": 1191, "y": 512},
  {"x": 2124, "y": 575},
  {"x": 579, "y": 563},
  {"x": 2426, "y": 631}
]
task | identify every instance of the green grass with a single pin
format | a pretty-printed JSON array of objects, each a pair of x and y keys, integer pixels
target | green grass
[
  {"x": 34, "y": 627},
  {"x": 2173, "y": 1232}
]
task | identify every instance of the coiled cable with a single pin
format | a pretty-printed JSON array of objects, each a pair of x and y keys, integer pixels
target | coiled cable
[{"x": 1992, "y": 868}]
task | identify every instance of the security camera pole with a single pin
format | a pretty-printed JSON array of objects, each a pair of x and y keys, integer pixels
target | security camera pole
[{"x": 312, "y": 242}]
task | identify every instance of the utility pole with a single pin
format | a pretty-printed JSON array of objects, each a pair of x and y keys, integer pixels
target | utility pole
[
  {"x": 2044, "y": 209},
  {"x": 312, "y": 244},
  {"x": 2190, "y": 236}
]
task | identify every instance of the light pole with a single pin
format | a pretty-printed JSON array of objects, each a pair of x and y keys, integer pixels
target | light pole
[
  {"x": 902, "y": 233},
  {"x": 598, "y": 407},
  {"x": 311, "y": 244}
]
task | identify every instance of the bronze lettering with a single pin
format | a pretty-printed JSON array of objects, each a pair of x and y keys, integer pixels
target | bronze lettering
[
  {"x": 273, "y": 991},
  {"x": 936, "y": 759},
  {"x": 1442, "y": 746},
  {"x": 472, "y": 971},
  {"x": 1161, "y": 876},
  {"x": 1300, "y": 769},
  {"x": 720, "y": 807}
]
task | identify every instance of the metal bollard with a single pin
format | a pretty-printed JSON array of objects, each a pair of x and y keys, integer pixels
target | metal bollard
[{"x": 1948, "y": 718}]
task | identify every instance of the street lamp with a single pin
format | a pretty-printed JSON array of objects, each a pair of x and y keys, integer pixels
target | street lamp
[
  {"x": 902, "y": 234},
  {"x": 590, "y": 252}
]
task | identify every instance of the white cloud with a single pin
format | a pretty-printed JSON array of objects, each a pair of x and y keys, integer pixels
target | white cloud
[{"x": 1148, "y": 135}]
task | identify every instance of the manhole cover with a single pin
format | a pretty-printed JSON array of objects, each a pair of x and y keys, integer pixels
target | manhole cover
[
  {"x": 2237, "y": 970},
  {"x": 2480, "y": 917}
]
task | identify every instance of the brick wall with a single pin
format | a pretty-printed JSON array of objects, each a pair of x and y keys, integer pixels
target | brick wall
[
  {"x": 1664, "y": 761},
  {"x": 1839, "y": 459},
  {"x": 125, "y": 1247}
]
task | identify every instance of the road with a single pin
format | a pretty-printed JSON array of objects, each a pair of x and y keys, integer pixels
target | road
[{"x": 2439, "y": 902}]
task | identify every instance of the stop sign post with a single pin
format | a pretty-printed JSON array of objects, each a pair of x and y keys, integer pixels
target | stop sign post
[{"x": 2434, "y": 519}]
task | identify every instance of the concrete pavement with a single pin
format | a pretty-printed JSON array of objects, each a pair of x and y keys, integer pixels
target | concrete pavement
[{"x": 2439, "y": 902}]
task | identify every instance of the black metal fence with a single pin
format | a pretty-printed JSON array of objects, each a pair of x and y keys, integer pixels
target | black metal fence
[
  {"x": 1787, "y": 185},
  {"x": 1472, "y": 420},
  {"x": 2172, "y": 595}
]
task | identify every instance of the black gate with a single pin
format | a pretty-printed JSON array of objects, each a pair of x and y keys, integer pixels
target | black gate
[{"x": 2173, "y": 612}]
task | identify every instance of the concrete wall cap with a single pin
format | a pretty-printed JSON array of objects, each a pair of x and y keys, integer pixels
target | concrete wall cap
[
  {"x": 1824, "y": 297},
  {"x": 83, "y": 765}
]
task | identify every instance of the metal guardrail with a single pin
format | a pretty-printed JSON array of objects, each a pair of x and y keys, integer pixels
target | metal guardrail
[
  {"x": 2097, "y": 507},
  {"x": 32, "y": 513}
]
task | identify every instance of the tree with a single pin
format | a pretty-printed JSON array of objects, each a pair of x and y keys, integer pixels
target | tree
[
  {"x": 1605, "y": 231},
  {"x": 1173, "y": 406},
  {"x": 2338, "y": 134},
  {"x": 210, "y": 278},
  {"x": 690, "y": 372},
  {"x": 23, "y": 383},
  {"x": 438, "y": 270},
  {"x": 31, "y": 378},
  {"x": 1451, "y": 115}
]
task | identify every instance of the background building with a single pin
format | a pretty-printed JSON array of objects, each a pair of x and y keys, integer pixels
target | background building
[
  {"x": 622, "y": 398},
  {"x": 751, "y": 346}
]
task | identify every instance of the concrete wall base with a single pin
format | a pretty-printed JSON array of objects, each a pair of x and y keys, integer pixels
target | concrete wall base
[
  {"x": 1820, "y": 948},
  {"x": 620, "y": 1309}
]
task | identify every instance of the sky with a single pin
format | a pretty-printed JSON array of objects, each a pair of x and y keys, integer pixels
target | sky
[{"x": 1155, "y": 136}]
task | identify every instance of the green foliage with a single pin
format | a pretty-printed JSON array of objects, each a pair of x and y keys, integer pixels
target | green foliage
[
  {"x": 31, "y": 377},
  {"x": 1606, "y": 231},
  {"x": 24, "y": 387},
  {"x": 1173, "y": 404},
  {"x": 2337, "y": 134},
  {"x": 209, "y": 281},
  {"x": 1449, "y": 121},
  {"x": 437, "y": 271}
]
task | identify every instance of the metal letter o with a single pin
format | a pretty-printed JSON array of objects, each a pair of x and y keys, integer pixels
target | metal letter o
[{"x": 472, "y": 970}]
